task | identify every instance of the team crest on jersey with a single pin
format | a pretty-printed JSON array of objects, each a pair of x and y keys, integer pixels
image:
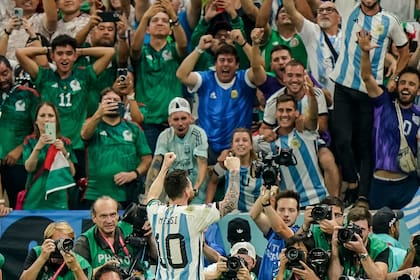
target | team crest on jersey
[
  {"x": 20, "y": 106},
  {"x": 167, "y": 55},
  {"x": 234, "y": 94},
  {"x": 103, "y": 133},
  {"x": 294, "y": 143},
  {"x": 294, "y": 43},
  {"x": 75, "y": 85},
  {"x": 128, "y": 136},
  {"x": 213, "y": 95},
  {"x": 379, "y": 29}
]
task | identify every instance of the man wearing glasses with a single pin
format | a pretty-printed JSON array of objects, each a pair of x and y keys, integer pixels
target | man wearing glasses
[{"x": 322, "y": 52}]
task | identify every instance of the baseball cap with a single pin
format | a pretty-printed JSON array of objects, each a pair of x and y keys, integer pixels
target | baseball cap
[
  {"x": 179, "y": 104},
  {"x": 245, "y": 248},
  {"x": 384, "y": 218},
  {"x": 238, "y": 231}
]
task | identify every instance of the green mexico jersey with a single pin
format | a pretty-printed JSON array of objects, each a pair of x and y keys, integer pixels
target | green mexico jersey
[
  {"x": 16, "y": 117},
  {"x": 295, "y": 44},
  {"x": 70, "y": 97},
  {"x": 113, "y": 149},
  {"x": 156, "y": 82},
  {"x": 104, "y": 80},
  {"x": 36, "y": 190}
]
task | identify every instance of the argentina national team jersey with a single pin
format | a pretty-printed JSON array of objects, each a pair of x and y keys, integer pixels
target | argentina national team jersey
[
  {"x": 384, "y": 27},
  {"x": 305, "y": 177},
  {"x": 178, "y": 231}
]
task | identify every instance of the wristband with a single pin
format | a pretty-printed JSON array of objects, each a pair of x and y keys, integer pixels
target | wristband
[
  {"x": 200, "y": 51},
  {"x": 363, "y": 256},
  {"x": 7, "y": 32},
  {"x": 173, "y": 23},
  {"x": 32, "y": 39},
  {"x": 265, "y": 204},
  {"x": 243, "y": 45}
]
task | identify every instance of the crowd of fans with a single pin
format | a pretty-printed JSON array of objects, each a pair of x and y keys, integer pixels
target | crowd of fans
[{"x": 200, "y": 108}]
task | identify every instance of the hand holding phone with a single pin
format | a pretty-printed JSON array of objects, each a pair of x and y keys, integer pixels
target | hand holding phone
[{"x": 50, "y": 129}]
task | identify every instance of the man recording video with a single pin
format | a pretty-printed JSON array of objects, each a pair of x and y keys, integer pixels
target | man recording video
[
  {"x": 355, "y": 252},
  {"x": 238, "y": 265},
  {"x": 54, "y": 259},
  {"x": 108, "y": 240}
]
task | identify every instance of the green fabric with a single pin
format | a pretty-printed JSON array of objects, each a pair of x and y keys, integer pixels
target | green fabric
[
  {"x": 1, "y": 261},
  {"x": 70, "y": 97},
  {"x": 35, "y": 197},
  {"x": 113, "y": 149},
  {"x": 156, "y": 81},
  {"x": 320, "y": 238},
  {"x": 100, "y": 256},
  {"x": 295, "y": 44},
  {"x": 69, "y": 275},
  {"x": 376, "y": 247},
  {"x": 17, "y": 118},
  {"x": 103, "y": 80}
]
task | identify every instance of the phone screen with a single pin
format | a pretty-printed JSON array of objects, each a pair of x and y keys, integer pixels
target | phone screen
[
  {"x": 50, "y": 130},
  {"x": 18, "y": 12}
]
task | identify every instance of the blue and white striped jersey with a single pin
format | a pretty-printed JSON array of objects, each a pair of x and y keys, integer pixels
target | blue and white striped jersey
[
  {"x": 178, "y": 231},
  {"x": 384, "y": 27}
]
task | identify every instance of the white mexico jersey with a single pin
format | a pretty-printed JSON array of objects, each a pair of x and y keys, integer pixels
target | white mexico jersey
[
  {"x": 178, "y": 231},
  {"x": 384, "y": 27}
]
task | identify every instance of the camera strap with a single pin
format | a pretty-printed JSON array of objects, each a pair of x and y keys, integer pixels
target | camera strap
[
  {"x": 121, "y": 240},
  {"x": 58, "y": 271}
]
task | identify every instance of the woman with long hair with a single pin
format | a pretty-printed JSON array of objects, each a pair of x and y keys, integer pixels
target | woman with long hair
[
  {"x": 49, "y": 162},
  {"x": 242, "y": 147}
]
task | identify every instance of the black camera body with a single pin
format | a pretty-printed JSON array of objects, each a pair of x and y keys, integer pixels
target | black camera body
[
  {"x": 318, "y": 260},
  {"x": 348, "y": 233},
  {"x": 345, "y": 277},
  {"x": 64, "y": 244},
  {"x": 234, "y": 263},
  {"x": 268, "y": 165},
  {"x": 136, "y": 215},
  {"x": 322, "y": 212},
  {"x": 294, "y": 256}
]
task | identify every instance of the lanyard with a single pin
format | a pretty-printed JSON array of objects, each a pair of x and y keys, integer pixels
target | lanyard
[
  {"x": 58, "y": 271},
  {"x": 112, "y": 247}
]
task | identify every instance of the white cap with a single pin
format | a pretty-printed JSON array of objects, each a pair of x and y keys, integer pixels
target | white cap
[
  {"x": 179, "y": 104},
  {"x": 245, "y": 248}
]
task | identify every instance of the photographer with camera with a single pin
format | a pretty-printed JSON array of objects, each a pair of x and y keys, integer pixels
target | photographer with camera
[
  {"x": 178, "y": 226},
  {"x": 296, "y": 262},
  {"x": 355, "y": 252},
  {"x": 107, "y": 242},
  {"x": 276, "y": 223},
  {"x": 323, "y": 218},
  {"x": 118, "y": 154},
  {"x": 238, "y": 265},
  {"x": 55, "y": 258}
]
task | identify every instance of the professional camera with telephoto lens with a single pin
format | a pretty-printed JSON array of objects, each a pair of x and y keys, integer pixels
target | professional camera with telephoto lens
[
  {"x": 322, "y": 212},
  {"x": 348, "y": 233},
  {"x": 268, "y": 165},
  {"x": 318, "y": 260},
  {"x": 294, "y": 256},
  {"x": 234, "y": 263},
  {"x": 64, "y": 244}
]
